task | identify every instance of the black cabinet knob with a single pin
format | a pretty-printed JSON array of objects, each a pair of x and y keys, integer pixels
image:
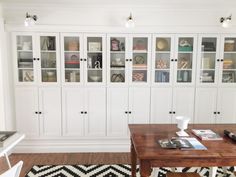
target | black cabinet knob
[
  {"x": 222, "y": 60},
  {"x": 172, "y": 60},
  {"x": 170, "y": 112},
  {"x": 85, "y": 112},
  {"x": 130, "y": 59},
  {"x": 214, "y": 112},
  {"x": 40, "y": 112},
  {"x": 129, "y": 112},
  {"x": 36, "y": 112},
  {"x": 126, "y": 59},
  {"x": 85, "y": 59},
  {"x": 34, "y": 58},
  {"x": 38, "y": 59},
  {"x": 81, "y": 112},
  {"x": 126, "y": 112},
  {"x": 173, "y": 112},
  {"x": 218, "y": 60},
  {"x": 218, "y": 112},
  {"x": 81, "y": 59},
  {"x": 176, "y": 59}
]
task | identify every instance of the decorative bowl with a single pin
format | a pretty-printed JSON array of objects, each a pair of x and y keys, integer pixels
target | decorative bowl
[{"x": 95, "y": 78}]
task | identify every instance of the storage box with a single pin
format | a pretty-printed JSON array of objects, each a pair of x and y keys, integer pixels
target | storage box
[{"x": 186, "y": 48}]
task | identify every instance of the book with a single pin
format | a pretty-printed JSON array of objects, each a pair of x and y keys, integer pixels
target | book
[
  {"x": 184, "y": 143},
  {"x": 5, "y": 137},
  {"x": 206, "y": 134}
]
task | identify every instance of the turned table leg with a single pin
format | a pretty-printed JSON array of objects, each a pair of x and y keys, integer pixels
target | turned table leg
[
  {"x": 133, "y": 160},
  {"x": 145, "y": 168}
]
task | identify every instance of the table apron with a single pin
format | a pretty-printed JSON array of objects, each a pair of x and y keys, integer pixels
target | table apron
[{"x": 192, "y": 162}]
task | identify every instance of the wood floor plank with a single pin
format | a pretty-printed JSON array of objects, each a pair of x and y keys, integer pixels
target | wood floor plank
[{"x": 64, "y": 158}]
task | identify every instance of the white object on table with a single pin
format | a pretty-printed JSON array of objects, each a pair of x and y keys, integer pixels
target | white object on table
[
  {"x": 13, "y": 141},
  {"x": 182, "y": 124}
]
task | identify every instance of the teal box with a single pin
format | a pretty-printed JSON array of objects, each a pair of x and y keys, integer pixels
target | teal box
[{"x": 186, "y": 48}]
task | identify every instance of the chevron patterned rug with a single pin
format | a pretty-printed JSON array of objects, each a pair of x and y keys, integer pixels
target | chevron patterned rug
[{"x": 118, "y": 170}]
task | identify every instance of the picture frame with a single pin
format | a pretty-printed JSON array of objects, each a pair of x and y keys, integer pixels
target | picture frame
[
  {"x": 115, "y": 45},
  {"x": 228, "y": 77},
  {"x": 94, "y": 46}
]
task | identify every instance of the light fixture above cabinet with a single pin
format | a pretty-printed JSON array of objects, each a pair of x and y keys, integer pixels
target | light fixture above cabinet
[
  {"x": 30, "y": 20},
  {"x": 225, "y": 21},
  {"x": 129, "y": 22}
]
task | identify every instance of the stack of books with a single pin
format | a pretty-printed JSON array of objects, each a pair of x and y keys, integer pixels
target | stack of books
[{"x": 206, "y": 134}]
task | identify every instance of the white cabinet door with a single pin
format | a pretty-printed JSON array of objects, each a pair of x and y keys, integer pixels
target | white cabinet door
[
  {"x": 205, "y": 105},
  {"x": 95, "y": 112},
  {"x": 139, "y": 105},
  {"x": 226, "y": 106},
  {"x": 50, "y": 108},
  {"x": 73, "y": 109},
  {"x": 183, "y": 102},
  {"x": 117, "y": 119},
  {"x": 26, "y": 108},
  {"x": 161, "y": 104}
]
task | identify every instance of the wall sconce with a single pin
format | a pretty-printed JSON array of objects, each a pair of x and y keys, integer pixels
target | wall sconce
[
  {"x": 130, "y": 22},
  {"x": 30, "y": 19},
  {"x": 225, "y": 21}
]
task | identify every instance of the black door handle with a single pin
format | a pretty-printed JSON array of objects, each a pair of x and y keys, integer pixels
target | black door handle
[
  {"x": 36, "y": 112},
  {"x": 81, "y": 112},
  {"x": 170, "y": 112},
  {"x": 126, "y": 112},
  {"x": 85, "y": 112}
]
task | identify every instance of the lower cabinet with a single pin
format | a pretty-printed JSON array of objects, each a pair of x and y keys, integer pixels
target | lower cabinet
[
  {"x": 84, "y": 111},
  {"x": 215, "y": 105},
  {"x": 38, "y": 111},
  {"x": 124, "y": 106},
  {"x": 168, "y": 102}
]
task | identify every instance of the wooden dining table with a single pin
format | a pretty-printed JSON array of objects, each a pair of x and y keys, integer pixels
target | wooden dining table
[{"x": 146, "y": 150}]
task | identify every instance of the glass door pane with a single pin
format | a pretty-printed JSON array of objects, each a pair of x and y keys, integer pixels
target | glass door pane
[
  {"x": 72, "y": 59},
  {"x": 48, "y": 58},
  {"x": 25, "y": 62},
  {"x": 185, "y": 59},
  {"x": 208, "y": 60},
  {"x": 94, "y": 59},
  {"x": 140, "y": 57},
  {"x": 162, "y": 59},
  {"x": 117, "y": 59},
  {"x": 229, "y": 63}
]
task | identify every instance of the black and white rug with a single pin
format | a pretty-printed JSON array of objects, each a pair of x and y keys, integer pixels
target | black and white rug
[{"x": 118, "y": 170}]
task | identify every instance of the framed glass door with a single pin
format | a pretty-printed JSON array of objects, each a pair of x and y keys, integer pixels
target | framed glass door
[
  {"x": 95, "y": 53},
  {"x": 208, "y": 58},
  {"x": 117, "y": 56},
  {"x": 72, "y": 60},
  {"x": 25, "y": 59},
  {"x": 229, "y": 60},
  {"x": 49, "y": 58},
  {"x": 185, "y": 59},
  {"x": 162, "y": 61}
]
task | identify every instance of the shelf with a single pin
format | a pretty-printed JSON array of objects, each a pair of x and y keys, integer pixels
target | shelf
[
  {"x": 121, "y": 52},
  {"x": 48, "y": 68},
  {"x": 207, "y": 69},
  {"x": 70, "y": 51},
  {"x": 184, "y": 69},
  {"x": 94, "y": 51},
  {"x": 48, "y": 51},
  {"x": 229, "y": 69},
  {"x": 122, "y": 69},
  {"x": 162, "y": 69},
  {"x": 95, "y": 69},
  {"x": 72, "y": 69},
  {"x": 26, "y": 68},
  {"x": 139, "y": 69},
  {"x": 190, "y": 52},
  {"x": 229, "y": 52},
  {"x": 24, "y": 50},
  {"x": 140, "y": 51},
  {"x": 210, "y": 52},
  {"x": 164, "y": 52}
]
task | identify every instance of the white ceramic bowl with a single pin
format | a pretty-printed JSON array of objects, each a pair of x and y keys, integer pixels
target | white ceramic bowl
[{"x": 95, "y": 78}]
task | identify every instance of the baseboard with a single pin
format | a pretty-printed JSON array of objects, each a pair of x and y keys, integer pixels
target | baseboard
[{"x": 60, "y": 146}]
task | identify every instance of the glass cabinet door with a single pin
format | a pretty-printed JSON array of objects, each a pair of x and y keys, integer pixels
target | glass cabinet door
[
  {"x": 117, "y": 59},
  {"x": 95, "y": 59},
  {"x": 139, "y": 59},
  {"x": 25, "y": 60},
  {"x": 185, "y": 59},
  {"x": 229, "y": 61},
  {"x": 162, "y": 59},
  {"x": 208, "y": 60},
  {"x": 48, "y": 55},
  {"x": 71, "y": 62}
]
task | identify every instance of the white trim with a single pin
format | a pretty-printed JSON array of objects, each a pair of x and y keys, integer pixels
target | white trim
[{"x": 73, "y": 146}]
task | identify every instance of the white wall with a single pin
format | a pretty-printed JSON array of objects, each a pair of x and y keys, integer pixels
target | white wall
[{"x": 2, "y": 110}]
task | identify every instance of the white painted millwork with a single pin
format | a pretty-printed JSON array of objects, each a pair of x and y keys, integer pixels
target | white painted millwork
[
  {"x": 124, "y": 107},
  {"x": 84, "y": 112},
  {"x": 26, "y": 108}
]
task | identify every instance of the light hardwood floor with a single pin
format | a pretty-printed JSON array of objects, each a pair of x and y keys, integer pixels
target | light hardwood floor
[{"x": 64, "y": 158}]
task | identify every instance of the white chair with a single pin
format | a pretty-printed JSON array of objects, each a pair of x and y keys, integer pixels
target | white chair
[{"x": 14, "y": 171}]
